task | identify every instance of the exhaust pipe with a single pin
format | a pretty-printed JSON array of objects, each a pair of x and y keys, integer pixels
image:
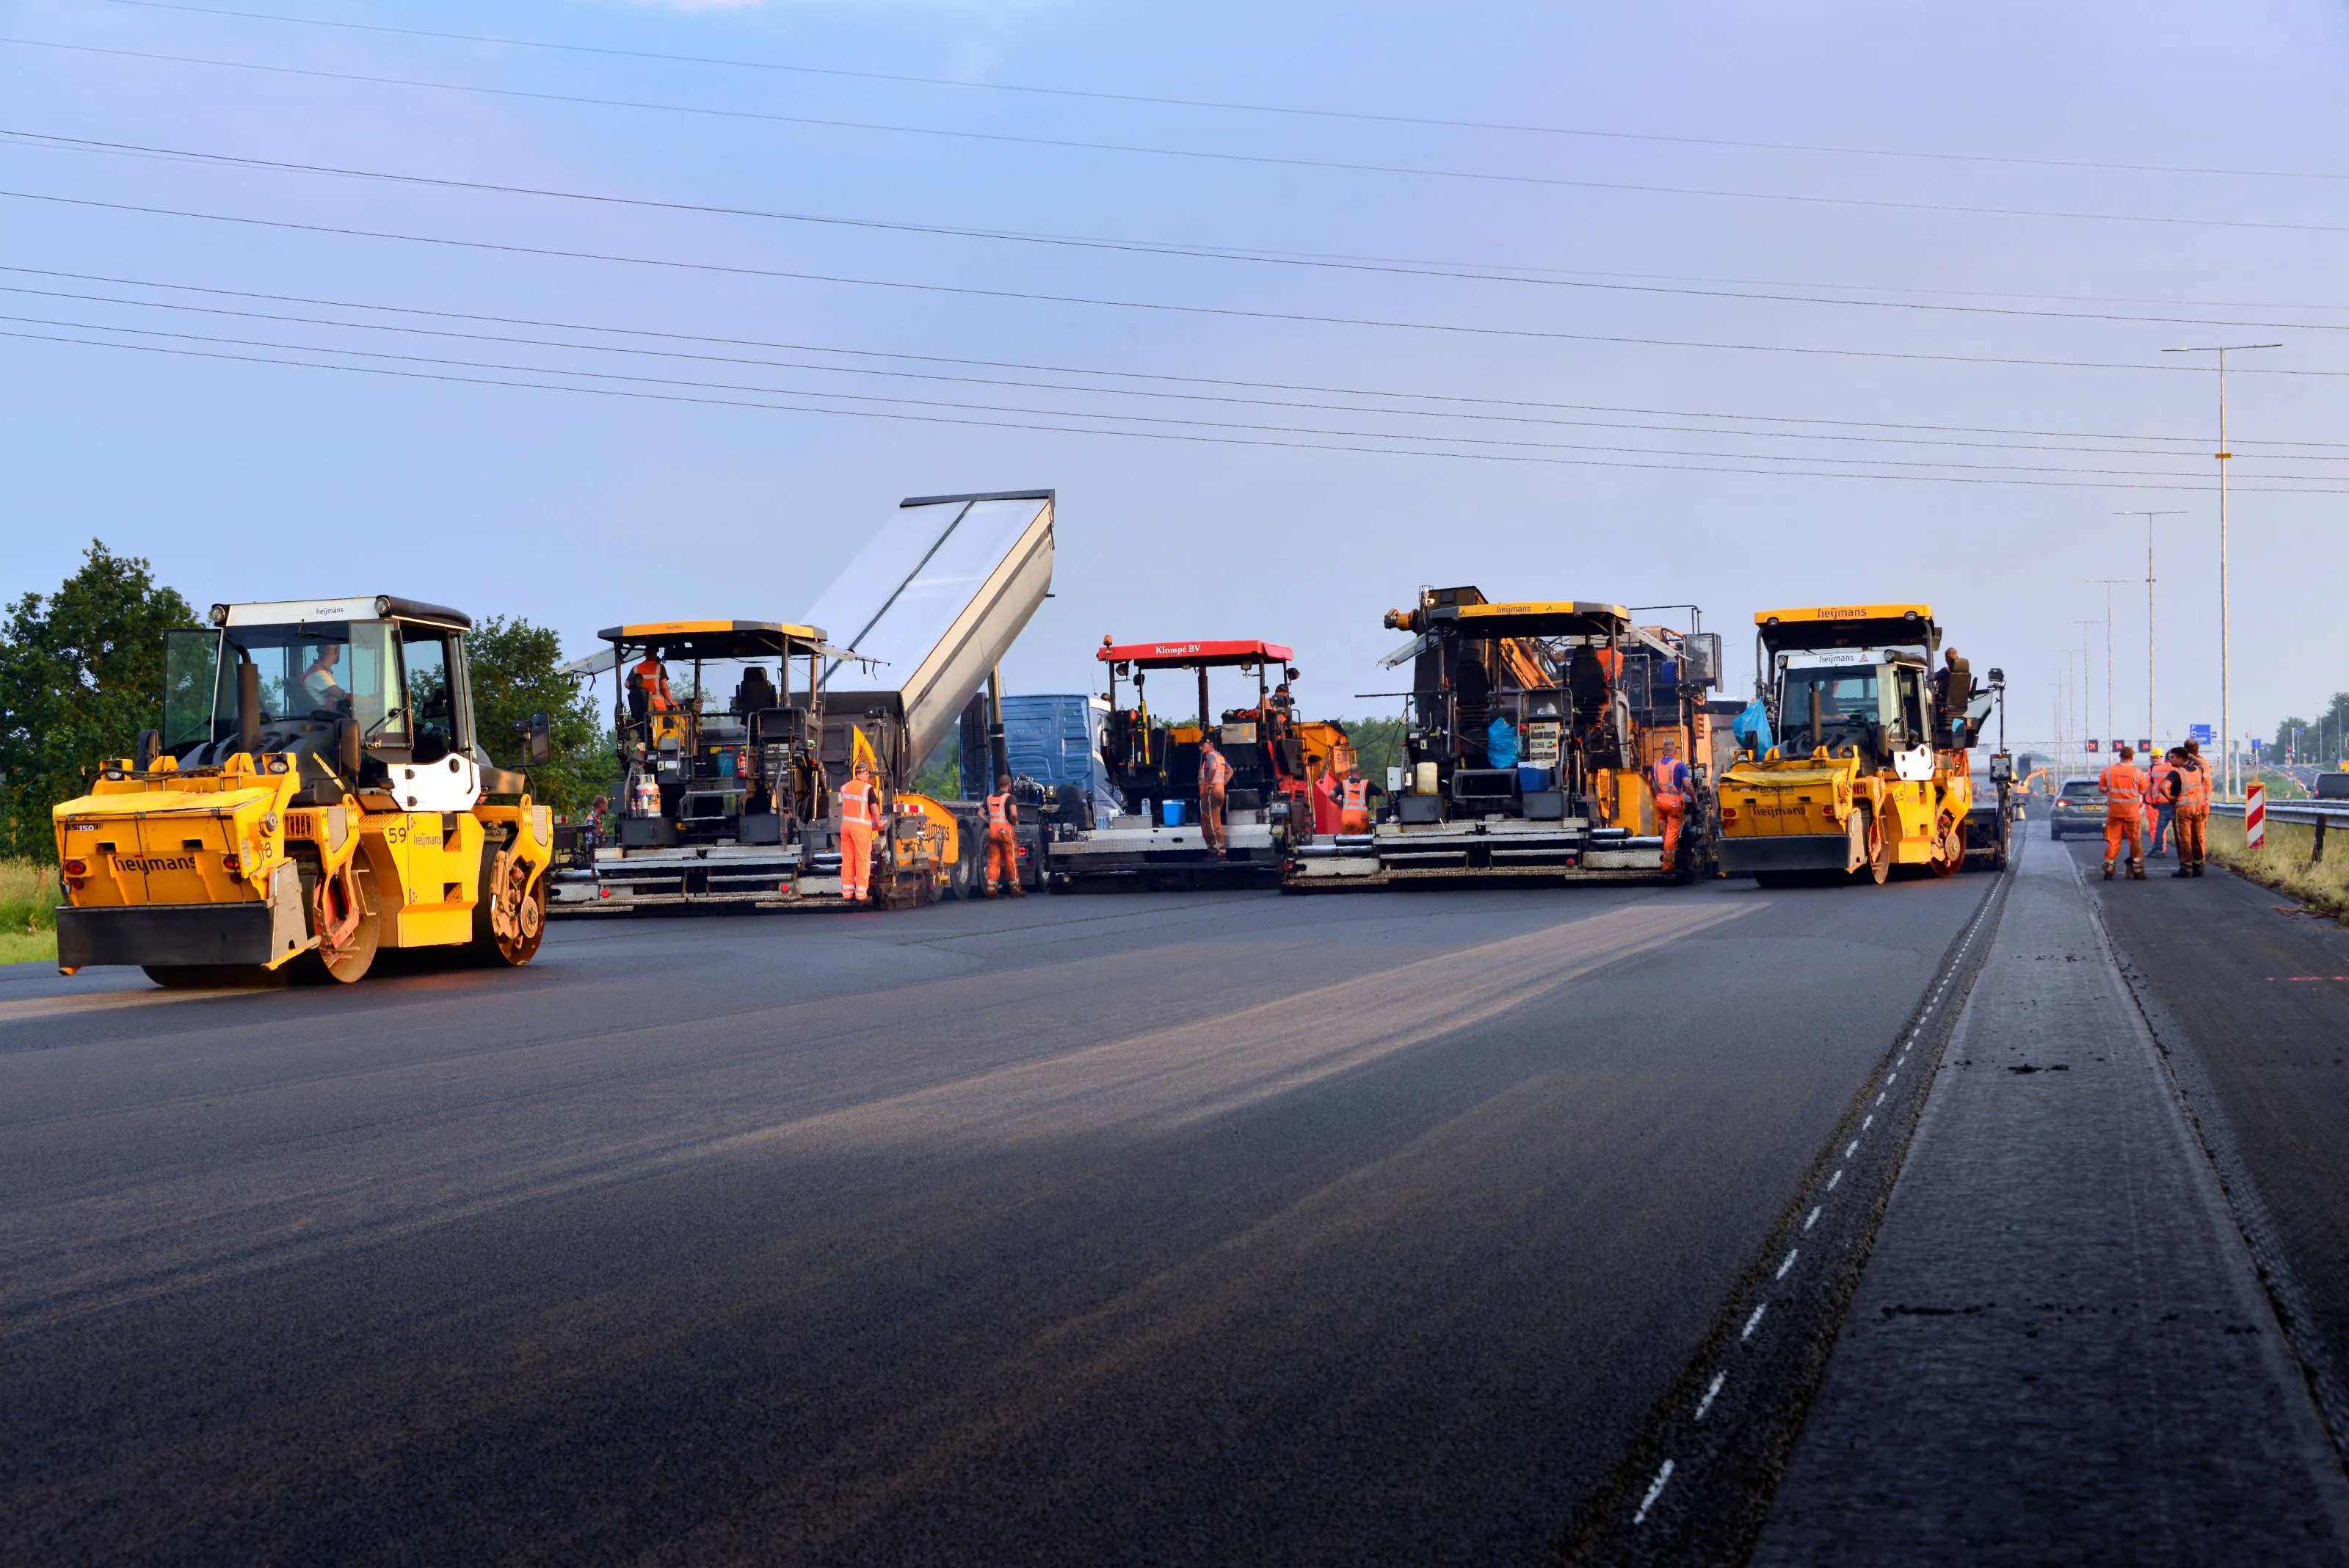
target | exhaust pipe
[{"x": 248, "y": 707}]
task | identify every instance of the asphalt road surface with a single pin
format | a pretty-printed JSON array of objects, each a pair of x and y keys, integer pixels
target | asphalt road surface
[
  {"x": 1176, "y": 1229},
  {"x": 2250, "y": 999}
]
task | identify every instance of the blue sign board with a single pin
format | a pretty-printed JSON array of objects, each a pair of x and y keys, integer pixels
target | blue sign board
[{"x": 2203, "y": 734}]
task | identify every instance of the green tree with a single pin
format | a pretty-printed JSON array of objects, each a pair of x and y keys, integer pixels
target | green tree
[
  {"x": 516, "y": 669},
  {"x": 82, "y": 673},
  {"x": 1378, "y": 745}
]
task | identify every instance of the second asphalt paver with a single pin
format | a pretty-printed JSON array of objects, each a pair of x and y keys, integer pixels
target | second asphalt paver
[{"x": 2060, "y": 1349}]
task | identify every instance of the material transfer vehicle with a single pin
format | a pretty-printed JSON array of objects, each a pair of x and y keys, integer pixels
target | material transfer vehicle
[
  {"x": 1864, "y": 774},
  {"x": 317, "y": 793},
  {"x": 719, "y": 768},
  {"x": 1530, "y": 731},
  {"x": 1154, "y": 768}
]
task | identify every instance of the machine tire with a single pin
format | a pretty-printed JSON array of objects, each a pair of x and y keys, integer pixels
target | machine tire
[
  {"x": 487, "y": 948},
  {"x": 1773, "y": 878},
  {"x": 1879, "y": 868},
  {"x": 357, "y": 955},
  {"x": 962, "y": 877},
  {"x": 1954, "y": 852}
]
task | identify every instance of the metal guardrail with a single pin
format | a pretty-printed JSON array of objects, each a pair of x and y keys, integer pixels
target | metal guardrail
[{"x": 2307, "y": 813}]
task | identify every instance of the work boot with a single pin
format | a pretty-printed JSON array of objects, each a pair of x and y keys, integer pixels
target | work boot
[
  {"x": 2108, "y": 870},
  {"x": 990, "y": 892},
  {"x": 1018, "y": 891},
  {"x": 2198, "y": 869},
  {"x": 2136, "y": 870},
  {"x": 2183, "y": 871}
]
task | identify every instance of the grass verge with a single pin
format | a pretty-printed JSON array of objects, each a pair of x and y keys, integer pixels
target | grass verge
[
  {"x": 28, "y": 912},
  {"x": 2282, "y": 863}
]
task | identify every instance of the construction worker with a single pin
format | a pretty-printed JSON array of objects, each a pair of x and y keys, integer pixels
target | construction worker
[
  {"x": 1214, "y": 774},
  {"x": 2191, "y": 787},
  {"x": 2124, "y": 787},
  {"x": 1327, "y": 812},
  {"x": 1002, "y": 843},
  {"x": 1953, "y": 688},
  {"x": 1667, "y": 779},
  {"x": 2160, "y": 801},
  {"x": 1355, "y": 803},
  {"x": 649, "y": 689},
  {"x": 319, "y": 687},
  {"x": 858, "y": 810}
]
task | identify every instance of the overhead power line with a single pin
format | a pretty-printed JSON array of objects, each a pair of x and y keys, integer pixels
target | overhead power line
[
  {"x": 1453, "y": 271},
  {"x": 1163, "y": 306},
  {"x": 1240, "y": 105},
  {"x": 2182, "y": 446},
  {"x": 1447, "y": 400},
  {"x": 1334, "y": 445},
  {"x": 1256, "y": 427},
  {"x": 1261, "y": 160}
]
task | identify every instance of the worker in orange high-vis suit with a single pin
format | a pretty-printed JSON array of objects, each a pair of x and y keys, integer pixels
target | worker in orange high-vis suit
[
  {"x": 1215, "y": 772},
  {"x": 1668, "y": 780},
  {"x": 1002, "y": 843},
  {"x": 2160, "y": 802},
  {"x": 2192, "y": 785},
  {"x": 1354, "y": 803},
  {"x": 859, "y": 810},
  {"x": 2124, "y": 787}
]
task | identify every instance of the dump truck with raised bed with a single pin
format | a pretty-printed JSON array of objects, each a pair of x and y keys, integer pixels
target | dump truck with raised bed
[
  {"x": 315, "y": 794},
  {"x": 1866, "y": 771},
  {"x": 923, "y": 616},
  {"x": 1532, "y": 731}
]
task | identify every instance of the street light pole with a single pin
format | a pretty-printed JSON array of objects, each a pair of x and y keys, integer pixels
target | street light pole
[
  {"x": 2108, "y": 583},
  {"x": 2226, "y": 650},
  {"x": 2152, "y": 730}
]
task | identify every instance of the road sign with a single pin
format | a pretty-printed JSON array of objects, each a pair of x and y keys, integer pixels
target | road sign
[
  {"x": 2145, "y": 747},
  {"x": 2203, "y": 734},
  {"x": 2092, "y": 742},
  {"x": 2255, "y": 815}
]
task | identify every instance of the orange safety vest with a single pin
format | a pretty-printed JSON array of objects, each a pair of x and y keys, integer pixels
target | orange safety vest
[
  {"x": 1358, "y": 795},
  {"x": 1664, "y": 774},
  {"x": 653, "y": 680},
  {"x": 2123, "y": 789},
  {"x": 2157, "y": 788},
  {"x": 1213, "y": 770},
  {"x": 2194, "y": 800},
  {"x": 856, "y": 802},
  {"x": 997, "y": 816}
]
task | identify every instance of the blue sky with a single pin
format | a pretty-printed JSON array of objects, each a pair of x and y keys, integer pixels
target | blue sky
[{"x": 253, "y": 480}]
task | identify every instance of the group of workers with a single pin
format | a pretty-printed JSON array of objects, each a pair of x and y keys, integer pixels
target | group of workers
[
  {"x": 857, "y": 809},
  {"x": 2173, "y": 795}
]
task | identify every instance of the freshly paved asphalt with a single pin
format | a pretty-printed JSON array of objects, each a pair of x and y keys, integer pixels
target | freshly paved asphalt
[{"x": 1205, "y": 1228}]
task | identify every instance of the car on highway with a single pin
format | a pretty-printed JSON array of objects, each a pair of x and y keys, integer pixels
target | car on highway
[{"x": 2079, "y": 807}]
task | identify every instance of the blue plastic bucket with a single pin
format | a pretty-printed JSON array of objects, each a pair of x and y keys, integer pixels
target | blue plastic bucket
[
  {"x": 1531, "y": 777},
  {"x": 1173, "y": 812}
]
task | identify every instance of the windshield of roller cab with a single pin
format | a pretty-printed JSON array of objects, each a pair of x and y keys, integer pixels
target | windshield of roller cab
[
  {"x": 1846, "y": 706},
  {"x": 318, "y": 670}
]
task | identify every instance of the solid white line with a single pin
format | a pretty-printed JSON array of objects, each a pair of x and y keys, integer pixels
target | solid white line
[
  {"x": 1792, "y": 1254},
  {"x": 1706, "y": 1403},
  {"x": 1655, "y": 1489},
  {"x": 1813, "y": 1219},
  {"x": 1754, "y": 1323}
]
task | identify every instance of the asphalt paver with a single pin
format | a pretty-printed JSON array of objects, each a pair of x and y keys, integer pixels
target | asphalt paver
[
  {"x": 2060, "y": 1351},
  {"x": 1189, "y": 1228}
]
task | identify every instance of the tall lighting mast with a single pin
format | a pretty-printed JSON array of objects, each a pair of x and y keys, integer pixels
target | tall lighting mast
[
  {"x": 2152, "y": 730},
  {"x": 2226, "y": 649}
]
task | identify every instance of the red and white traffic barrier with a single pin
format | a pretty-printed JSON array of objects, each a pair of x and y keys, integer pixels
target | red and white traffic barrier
[{"x": 2255, "y": 815}]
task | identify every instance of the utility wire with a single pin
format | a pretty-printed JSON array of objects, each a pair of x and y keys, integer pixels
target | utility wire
[
  {"x": 1450, "y": 400},
  {"x": 933, "y": 376},
  {"x": 1225, "y": 312},
  {"x": 1260, "y": 159},
  {"x": 443, "y": 361},
  {"x": 1128, "y": 434},
  {"x": 1475, "y": 271},
  {"x": 1362, "y": 116}
]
